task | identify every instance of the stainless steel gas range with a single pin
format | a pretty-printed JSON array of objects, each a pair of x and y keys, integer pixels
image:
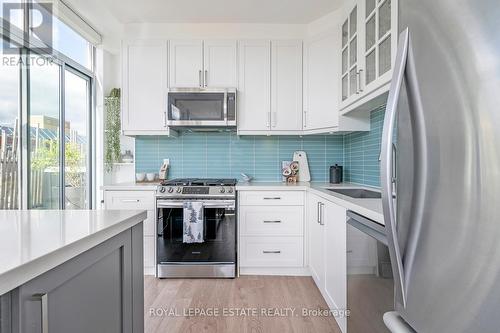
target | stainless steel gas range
[{"x": 215, "y": 255}]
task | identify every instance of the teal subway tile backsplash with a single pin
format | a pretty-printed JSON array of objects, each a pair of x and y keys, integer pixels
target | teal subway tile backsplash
[
  {"x": 362, "y": 151},
  {"x": 226, "y": 154}
]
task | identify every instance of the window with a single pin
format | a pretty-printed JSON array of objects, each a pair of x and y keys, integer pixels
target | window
[
  {"x": 56, "y": 124},
  {"x": 44, "y": 124},
  {"x": 9, "y": 131},
  {"x": 76, "y": 171}
]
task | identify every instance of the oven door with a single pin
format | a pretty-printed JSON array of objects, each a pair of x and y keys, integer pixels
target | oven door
[
  {"x": 216, "y": 107},
  {"x": 219, "y": 245},
  {"x": 370, "y": 284}
]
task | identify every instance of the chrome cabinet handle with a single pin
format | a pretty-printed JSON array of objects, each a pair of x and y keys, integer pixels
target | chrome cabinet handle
[
  {"x": 130, "y": 200},
  {"x": 44, "y": 299},
  {"x": 359, "y": 80},
  {"x": 271, "y": 252},
  {"x": 321, "y": 211},
  {"x": 276, "y": 221},
  {"x": 200, "y": 78},
  {"x": 206, "y": 78},
  {"x": 305, "y": 118},
  {"x": 274, "y": 118},
  {"x": 272, "y": 198},
  {"x": 164, "y": 118}
]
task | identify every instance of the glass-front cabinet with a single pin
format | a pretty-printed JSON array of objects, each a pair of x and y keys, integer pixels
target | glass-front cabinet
[{"x": 369, "y": 35}]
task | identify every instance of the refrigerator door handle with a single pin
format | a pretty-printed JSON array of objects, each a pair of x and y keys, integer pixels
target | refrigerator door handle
[{"x": 386, "y": 168}]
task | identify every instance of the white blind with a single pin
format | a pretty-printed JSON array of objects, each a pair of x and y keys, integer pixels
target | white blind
[{"x": 76, "y": 22}]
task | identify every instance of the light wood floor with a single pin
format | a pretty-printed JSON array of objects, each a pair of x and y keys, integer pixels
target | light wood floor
[{"x": 171, "y": 297}]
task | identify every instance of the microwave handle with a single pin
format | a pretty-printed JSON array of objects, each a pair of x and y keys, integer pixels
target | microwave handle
[{"x": 225, "y": 106}]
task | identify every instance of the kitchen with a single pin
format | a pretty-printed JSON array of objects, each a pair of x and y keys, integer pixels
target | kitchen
[{"x": 318, "y": 166}]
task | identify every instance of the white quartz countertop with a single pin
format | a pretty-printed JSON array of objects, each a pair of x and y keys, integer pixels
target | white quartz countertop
[
  {"x": 131, "y": 186},
  {"x": 370, "y": 208},
  {"x": 33, "y": 242}
]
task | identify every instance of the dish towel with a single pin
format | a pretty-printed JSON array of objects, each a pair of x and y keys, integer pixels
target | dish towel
[{"x": 193, "y": 222}]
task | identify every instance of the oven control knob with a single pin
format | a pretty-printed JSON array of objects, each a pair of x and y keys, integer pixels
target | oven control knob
[
  {"x": 170, "y": 189},
  {"x": 179, "y": 190},
  {"x": 222, "y": 190},
  {"x": 162, "y": 189},
  {"x": 230, "y": 190}
]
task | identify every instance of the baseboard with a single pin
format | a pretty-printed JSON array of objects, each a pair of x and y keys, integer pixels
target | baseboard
[
  {"x": 283, "y": 271},
  {"x": 149, "y": 271}
]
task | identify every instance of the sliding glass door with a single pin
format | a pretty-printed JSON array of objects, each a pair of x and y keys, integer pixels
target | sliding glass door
[
  {"x": 46, "y": 103},
  {"x": 44, "y": 120},
  {"x": 76, "y": 161},
  {"x": 9, "y": 131}
]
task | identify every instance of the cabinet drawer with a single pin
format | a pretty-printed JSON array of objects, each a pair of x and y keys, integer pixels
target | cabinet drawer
[
  {"x": 271, "y": 251},
  {"x": 129, "y": 200},
  {"x": 272, "y": 220},
  {"x": 272, "y": 198}
]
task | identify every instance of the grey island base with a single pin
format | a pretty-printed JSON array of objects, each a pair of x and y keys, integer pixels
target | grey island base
[{"x": 71, "y": 271}]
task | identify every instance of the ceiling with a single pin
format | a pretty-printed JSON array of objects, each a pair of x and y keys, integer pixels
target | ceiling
[{"x": 220, "y": 11}]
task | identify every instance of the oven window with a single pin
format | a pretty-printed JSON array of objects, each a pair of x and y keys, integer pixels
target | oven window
[
  {"x": 219, "y": 237},
  {"x": 196, "y": 106}
]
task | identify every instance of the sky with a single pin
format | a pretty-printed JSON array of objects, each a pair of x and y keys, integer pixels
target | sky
[{"x": 44, "y": 85}]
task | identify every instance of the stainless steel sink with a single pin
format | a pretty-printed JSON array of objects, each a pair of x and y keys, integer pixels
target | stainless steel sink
[{"x": 357, "y": 193}]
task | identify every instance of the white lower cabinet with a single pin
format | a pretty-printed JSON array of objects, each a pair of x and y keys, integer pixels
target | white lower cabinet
[
  {"x": 137, "y": 200},
  {"x": 271, "y": 251},
  {"x": 327, "y": 253},
  {"x": 271, "y": 232}
]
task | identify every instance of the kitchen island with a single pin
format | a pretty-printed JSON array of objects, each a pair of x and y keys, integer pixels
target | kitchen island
[{"x": 71, "y": 271}]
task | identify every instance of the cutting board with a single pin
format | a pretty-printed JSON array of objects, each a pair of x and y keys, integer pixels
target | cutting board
[{"x": 301, "y": 157}]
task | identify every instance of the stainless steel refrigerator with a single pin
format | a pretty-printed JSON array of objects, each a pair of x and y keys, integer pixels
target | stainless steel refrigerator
[{"x": 443, "y": 116}]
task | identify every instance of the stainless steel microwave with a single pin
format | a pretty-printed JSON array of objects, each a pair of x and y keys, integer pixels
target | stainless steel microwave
[{"x": 201, "y": 107}]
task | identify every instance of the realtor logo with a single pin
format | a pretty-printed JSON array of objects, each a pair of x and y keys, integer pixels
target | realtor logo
[{"x": 39, "y": 34}]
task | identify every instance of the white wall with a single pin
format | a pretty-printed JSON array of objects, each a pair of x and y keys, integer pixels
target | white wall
[{"x": 214, "y": 30}]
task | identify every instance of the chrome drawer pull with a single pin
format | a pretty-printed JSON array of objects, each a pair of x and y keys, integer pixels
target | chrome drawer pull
[
  {"x": 131, "y": 200},
  {"x": 44, "y": 298},
  {"x": 277, "y": 221},
  {"x": 271, "y": 252},
  {"x": 273, "y": 198}
]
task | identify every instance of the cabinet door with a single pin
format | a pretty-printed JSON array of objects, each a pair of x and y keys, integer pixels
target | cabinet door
[
  {"x": 254, "y": 98},
  {"x": 316, "y": 241},
  {"x": 145, "y": 86},
  {"x": 335, "y": 261},
  {"x": 220, "y": 59},
  {"x": 321, "y": 107},
  {"x": 286, "y": 85},
  {"x": 350, "y": 37},
  {"x": 379, "y": 24},
  {"x": 186, "y": 63},
  {"x": 101, "y": 290}
]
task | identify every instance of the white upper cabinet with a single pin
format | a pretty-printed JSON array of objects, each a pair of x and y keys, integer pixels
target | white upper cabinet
[
  {"x": 144, "y": 76},
  {"x": 220, "y": 63},
  {"x": 254, "y": 88},
  {"x": 186, "y": 63},
  {"x": 197, "y": 63},
  {"x": 270, "y": 87},
  {"x": 350, "y": 70},
  {"x": 320, "y": 87},
  {"x": 369, "y": 37},
  {"x": 286, "y": 85}
]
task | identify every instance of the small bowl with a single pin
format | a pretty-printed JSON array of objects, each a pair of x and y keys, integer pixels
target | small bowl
[
  {"x": 140, "y": 176},
  {"x": 151, "y": 176}
]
